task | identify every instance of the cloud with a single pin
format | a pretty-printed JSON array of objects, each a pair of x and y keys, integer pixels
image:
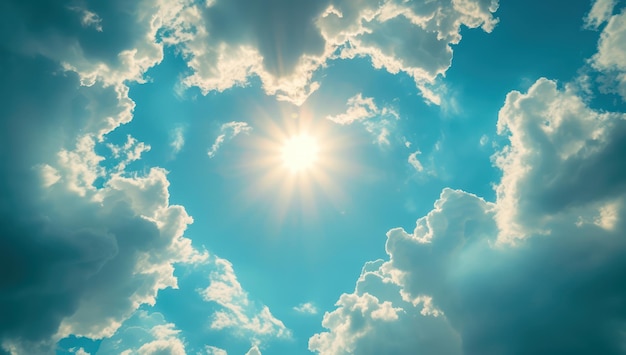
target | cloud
[
  {"x": 145, "y": 333},
  {"x": 554, "y": 287},
  {"x": 212, "y": 350},
  {"x": 371, "y": 29},
  {"x": 306, "y": 308},
  {"x": 238, "y": 313},
  {"x": 82, "y": 246},
  {"x": 359, "y": 108},
  {"x": 81, "y": 351},
  {"x": 228, "y": 131},
  {"x": 611, "y": 56},
  {"x": 560, "y": 159},
  {"x": 600, "y": 12},
  {"x": 378, "y": 121},
  {"x": 127, "y": 153},
  {"x": 88, "y": 18},
  {"x": 414, "y": 162},
  {"x": 484, "y": 139},
  {"x": 254, "y": 351},
  {"x": 286, "y": 51},
  {"x": 177, "y": 142},
  {"x": 374, "y": 319}
]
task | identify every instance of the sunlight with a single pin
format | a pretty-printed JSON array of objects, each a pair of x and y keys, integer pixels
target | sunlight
[
  {"x": 294, "y": 164},
  {"x": 299, "y": 153}
]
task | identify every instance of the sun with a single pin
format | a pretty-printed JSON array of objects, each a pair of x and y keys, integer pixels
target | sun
[{"x": 299, "y": 153}]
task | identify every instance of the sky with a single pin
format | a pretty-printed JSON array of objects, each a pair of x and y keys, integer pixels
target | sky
[{"x": 312, "y": 177}]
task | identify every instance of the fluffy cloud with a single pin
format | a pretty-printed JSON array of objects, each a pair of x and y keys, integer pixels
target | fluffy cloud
[
  {"x": 82, "y": 246},
  {"x": 286, "y": 51},
  {"x": 374, "y": 319},
  {"x": 560, "y": 159},
  {"x": 611, "y": 54},
  {"x": 106, "y": 44},
  {"x": 239, "y": 314},
  {"x": 369, "y": 28},
  {"x": 228, "y": 131},
  {"x": 556, "y": 289}
]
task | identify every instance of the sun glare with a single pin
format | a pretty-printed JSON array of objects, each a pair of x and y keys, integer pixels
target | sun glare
[{"x": 300, "y": 153}]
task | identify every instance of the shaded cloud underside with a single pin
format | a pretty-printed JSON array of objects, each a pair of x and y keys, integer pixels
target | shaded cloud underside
[{"x": 538, "y": 271}]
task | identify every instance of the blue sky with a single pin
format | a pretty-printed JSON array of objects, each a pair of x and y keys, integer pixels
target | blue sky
[{"x": 328, "y": 177}]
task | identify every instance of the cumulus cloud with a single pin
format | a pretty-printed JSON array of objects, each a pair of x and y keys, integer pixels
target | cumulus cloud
[
  {"x": 238, "y": 313},
  {"x": 374, "y": 319},
  {"x": 285, "y": 51},
  {"x": 81, "y": 246},
  {"x": 555, "y": 289},
  {"x": 559, "y": 160},
  {"x": 228, "y": 131},
  {"x": 368, "y": 28}
]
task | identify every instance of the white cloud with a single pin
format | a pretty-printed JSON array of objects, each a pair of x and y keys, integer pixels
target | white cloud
[
  {"x": 484, "y": 139},
  {"x": 79, "y": 351},
  {"x": 228, "y": 131},
  {"x": 212, "y": 350},
  {"x": 88, "y": 18},
  {"x": 177, "y": 141},
  {"x": 611, "y": 56},
  {"x": 239, "y": 314},
  {"x": 306, "y": 308},
  {"x": 286, "y": 51},
  {"x": 359, "y": 108},
  {"x": 378, "y": 121},
  {"x": 415, "y": 163},
  {"x": 558, "y": 147},
  {"x": 254, "y": 350},
  {"x": 371, "y": 29},
  {"x": 600, "y": 12},
  {"x": 374, "y": 319},
  {"x": 49, "y": 175},
  {"x": 129, "y": 152},
  {"x": 145, "y": 333}
]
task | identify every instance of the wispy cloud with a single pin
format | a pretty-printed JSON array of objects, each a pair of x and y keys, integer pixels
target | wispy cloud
[
  {"x": 415, "y": 162},
  {"x": 177, "y": 139},
  {"x": 228, "y": 131},
  {"x": 306, "y": 308},
  {"x": 378, "y": 121}
]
